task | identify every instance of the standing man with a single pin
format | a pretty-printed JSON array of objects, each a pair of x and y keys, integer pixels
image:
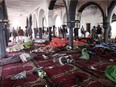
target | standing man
[
  {"x": 76, "y": 33},
  {"x": 14, "y": 35},
  {"x": 94, "y": 32},
  {"x": 20, "y": 32},
  {"x": 99, "y": 30},
  {"x": 83, "y": 31}
]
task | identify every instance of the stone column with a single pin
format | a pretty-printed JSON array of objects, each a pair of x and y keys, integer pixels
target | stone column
[
  {"x": 2, "y": 43},
  {"x": 54, "y": 30},
  {"x": 40, "y": 33},
  {"x": 49, "y": 33},
  {"x": 71, "y": 36},
  {"x": 3, "y": 15},
  {"x": 71, "y": 20},
  {"x": 64, "y": 31},
  {"x": 106, "y": 27}
]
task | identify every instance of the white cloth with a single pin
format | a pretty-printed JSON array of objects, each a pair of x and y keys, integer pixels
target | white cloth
[
  {"x": 22, "y": 39},
  {"x": 24, "y": 57},
  {"x": 40, "y": 41},
  {"x": 15, "y": 48},
  {"x": 20, "y": 75},
  {"x": 27, "y": 39}
]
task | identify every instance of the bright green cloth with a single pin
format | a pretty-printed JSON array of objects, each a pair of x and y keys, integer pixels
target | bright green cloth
[
  {"x": 110, "y": 73},
  {"x": 40, "y": 72},
  {"x": 29, "y": 43},
  {"x": 85, "y": 54}
]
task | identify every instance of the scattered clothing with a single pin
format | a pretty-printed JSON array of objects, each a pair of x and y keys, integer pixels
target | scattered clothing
[
  {"x": 20, "y": 75},
  {"x": 85, "y": 54},
  {"x": 26, "y": 56},
  {"x": 41, "y": 73}
]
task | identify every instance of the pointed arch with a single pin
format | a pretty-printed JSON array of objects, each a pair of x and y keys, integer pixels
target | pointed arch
[
  {"x": 35, "y": 20},
  {"x": 41, "y": 16},
  {"x": 110, "y": 9},
  {"x": 54, "y": 19},
  {"x": 91, "y": 3},
  {"x": 50, "y": 18},
  {"x": 65, "y": 19}
]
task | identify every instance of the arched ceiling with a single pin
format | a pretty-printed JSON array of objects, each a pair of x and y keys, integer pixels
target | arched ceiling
[
  {"x": 22, "y": 7},
  {"x": 54, "y": 4},
  {"x": 58, "y": 4}
]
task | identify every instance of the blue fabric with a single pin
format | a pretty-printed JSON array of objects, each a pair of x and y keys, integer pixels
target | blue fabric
[{"x": 107, "y": 46}]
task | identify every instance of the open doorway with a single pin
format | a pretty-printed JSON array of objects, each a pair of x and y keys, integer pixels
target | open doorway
[{"x": 88, "y": 27}]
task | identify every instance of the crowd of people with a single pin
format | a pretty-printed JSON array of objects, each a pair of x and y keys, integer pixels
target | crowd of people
[
  {"x": 95, "y": 32},
  {"x": 16, "y": 32}
]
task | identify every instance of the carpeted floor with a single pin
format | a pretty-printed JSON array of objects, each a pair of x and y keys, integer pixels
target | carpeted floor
[{"x": 69, "y": 75}]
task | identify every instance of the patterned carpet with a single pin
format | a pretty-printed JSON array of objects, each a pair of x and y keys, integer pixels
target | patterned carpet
[
  {"x": 68, "y": 75},
  {"x": 9, "y": 70}
]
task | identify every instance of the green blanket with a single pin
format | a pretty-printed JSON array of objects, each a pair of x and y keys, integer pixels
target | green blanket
[
  {"x": 110, "y": 73},
  {"x": 85, "y": 54},
  {"x": 29, "y": 43}
]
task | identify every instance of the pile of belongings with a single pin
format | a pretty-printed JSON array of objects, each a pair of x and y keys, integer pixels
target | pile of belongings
[
  {"x": 19, "y": 47},
  {"x": 20, "y": 39},
  {"x": 47, "y": 49},
  {"x": 20, "y": 75},
  {"x": 57, "y": 42},
  {"x": 15, "y": 48},
  {"x": 85, "y": 54},
  {"x": 14, "y": 58},
  {"x": 62, "y": 58},
  {"x": 75, "y": 47},
  {"x": 41, "y": 73},
  {"x": 111, "y": 47},
  {"x": 39, "y": 41},
  {"x": 78, "y": 42},
  {"x": 105, "y": 50},
  {"x": 26, "y": 57}
]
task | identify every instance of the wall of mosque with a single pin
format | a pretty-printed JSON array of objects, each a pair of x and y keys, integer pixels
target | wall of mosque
[
  {"x": 90, "y": 15},
  {"x": 17, "y": 21},
  {"x": 113, "y": 24}
]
